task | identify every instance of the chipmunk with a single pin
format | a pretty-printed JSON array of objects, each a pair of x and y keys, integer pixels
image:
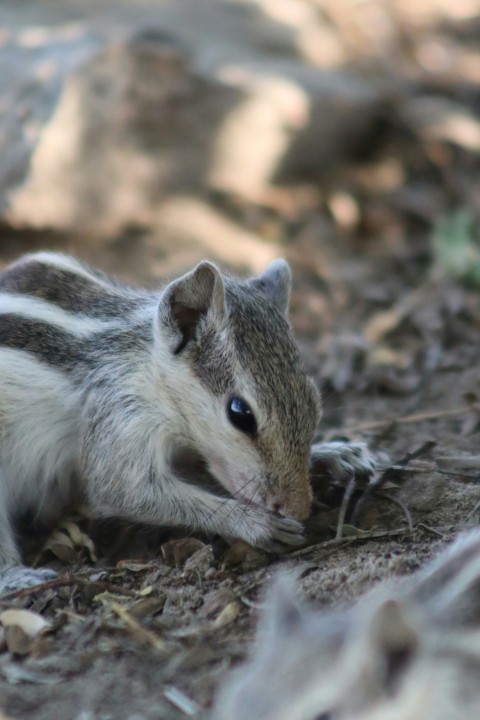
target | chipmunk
[
  {"x": 114, "y": 395},
  {"x": 410, "y": 649}
]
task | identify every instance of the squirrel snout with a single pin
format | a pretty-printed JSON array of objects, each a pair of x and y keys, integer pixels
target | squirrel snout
[{"x": 295, "y": 504}]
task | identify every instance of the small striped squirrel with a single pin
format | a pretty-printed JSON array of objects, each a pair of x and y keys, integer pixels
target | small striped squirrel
[
  {"x": 408, "y": 650},
  {"x": 113, "y": 395}
]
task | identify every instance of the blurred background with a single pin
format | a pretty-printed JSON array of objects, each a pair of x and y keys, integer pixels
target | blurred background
[{"x": 144, "y": 135}]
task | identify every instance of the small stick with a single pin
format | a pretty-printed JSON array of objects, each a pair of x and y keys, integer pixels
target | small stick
[
  {"x": 473, "y": 511},
  {"x": 344, "y": 507},
  {"x": 58, "y": 583},
  {"x": 414, "y": 454},
  {"x": 431, "y": 468},
  {"x": 132, "y": 624},
  {"x": 345, "y": 541},
  {"x": 398, "y": 503},
  {"x": 417, "y": 417},
  {"x": 430, "y": 529},
  {"x": 380, "y": 478}
]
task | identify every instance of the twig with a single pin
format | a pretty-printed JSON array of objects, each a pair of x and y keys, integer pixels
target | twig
[
  {"x": 462, "y": 461},
  {"x": 432, "y": 468},
  {"x": 430, "y": 529},
  {"x": 398, "y": 503},
  {"x": 305, "y": 550},
  {"x": 347, "y": 495},
  {"x": 414, "y": 454},
  {"x": 156, "y": 642},
  {"x": 473, "y": 511},
  {"x": 417, "y": 417},
  {"x": 380, "y": 479},
  {"x": 335, "y": 544},
  {"x": 59, "y": 583}
]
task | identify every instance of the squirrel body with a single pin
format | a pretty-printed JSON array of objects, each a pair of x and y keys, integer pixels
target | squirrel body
[
  {"x": 108, "y": 394},
  {"x": 187, "y": 407},
  {"x": 409, "y": 649}
]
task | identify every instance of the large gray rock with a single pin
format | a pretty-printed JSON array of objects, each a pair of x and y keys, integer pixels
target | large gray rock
[
  {"x": 130, "y": 126},
  {"x": 100, "y": 124}
]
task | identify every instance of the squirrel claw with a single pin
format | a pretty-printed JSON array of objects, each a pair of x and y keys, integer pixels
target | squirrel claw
[{"x": 284, "y": 532}]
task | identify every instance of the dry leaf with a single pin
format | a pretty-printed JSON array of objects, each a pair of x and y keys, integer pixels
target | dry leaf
[
  {"x": 383, "y": 323},
  {"x": 241, "y": 553},
  {"x": 147, "y": 607},
  {"x": 68, "y": 542},
  {"x": 200, "y": 561},
  {"x": 146, "y": 591},
  {"x": 62, "y": 547},
  {"x": 177, "y": 552},
  {"x": 135, "y": 566},
  {"x": 22, "y": 628},
  {"x": 228, "y": 615}
]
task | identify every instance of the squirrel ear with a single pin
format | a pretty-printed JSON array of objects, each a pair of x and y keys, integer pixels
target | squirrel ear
[
  {"x": 276, "y": 282},
  {"x": 186, "y": 301}
]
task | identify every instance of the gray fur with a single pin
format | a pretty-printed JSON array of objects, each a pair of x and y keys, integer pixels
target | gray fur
[
  {"x": 36, "y": 276},
  {"x": 49, "y": 344},
  {"x": 102, "y": 386},
  {"x": 275, "y": 283},
  {"x": 410, "y": 649}
]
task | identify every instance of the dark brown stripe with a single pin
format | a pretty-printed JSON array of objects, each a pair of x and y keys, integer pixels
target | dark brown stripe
[
  {"x": 52, "y": 345},
  {"x": 66, "y": 289}
]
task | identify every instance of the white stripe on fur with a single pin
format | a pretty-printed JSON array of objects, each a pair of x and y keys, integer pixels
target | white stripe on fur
[{"x": 33, "y": 308}]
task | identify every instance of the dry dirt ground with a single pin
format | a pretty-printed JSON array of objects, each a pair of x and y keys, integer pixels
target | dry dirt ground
[{"x": 144, "y": 624}]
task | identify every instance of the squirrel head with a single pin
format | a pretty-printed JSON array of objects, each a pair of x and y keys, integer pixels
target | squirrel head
[{"x": 240, "y": 384}]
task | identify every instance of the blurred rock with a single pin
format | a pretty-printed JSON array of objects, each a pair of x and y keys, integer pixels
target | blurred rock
[
  {"x": 99, "y": 125},
  {"x": 130, "y": 125},
  {"x": 34, "y": 62},
  {"x": 186, "y": 219}
]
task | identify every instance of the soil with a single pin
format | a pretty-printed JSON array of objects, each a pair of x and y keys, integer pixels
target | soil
[{"x": 145, "y": 624}]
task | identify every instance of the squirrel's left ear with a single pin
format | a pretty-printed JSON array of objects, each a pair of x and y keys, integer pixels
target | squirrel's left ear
[
  {"x": 276, "y": 282},
  {"x": 186, "y": 301}
]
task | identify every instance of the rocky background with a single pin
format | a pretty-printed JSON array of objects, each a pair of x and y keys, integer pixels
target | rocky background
[{"x": 345, "y": 136}]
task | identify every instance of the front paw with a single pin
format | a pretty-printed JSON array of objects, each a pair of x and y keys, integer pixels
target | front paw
[
  {"x": 338, "y": 461},
  {"x": 273, "y": 533},
  {"x": 18, "y": 577}
]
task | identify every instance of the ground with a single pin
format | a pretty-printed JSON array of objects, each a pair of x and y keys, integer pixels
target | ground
[{"x": 386, "y": 309}]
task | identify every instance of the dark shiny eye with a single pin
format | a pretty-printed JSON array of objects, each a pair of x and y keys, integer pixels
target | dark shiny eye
[{"x": 241, "y": 416}]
